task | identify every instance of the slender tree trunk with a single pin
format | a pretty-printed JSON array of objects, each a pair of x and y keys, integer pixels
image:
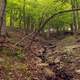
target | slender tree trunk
[
  {"x": 75, "y": 16},
  {"x": 3, "y": 17},
  {"x": 24, "y": 17},
  {"x": 77, "y": 6},
  {"x": 11, "y": 20},
  {"x": 20, "y": 16}
]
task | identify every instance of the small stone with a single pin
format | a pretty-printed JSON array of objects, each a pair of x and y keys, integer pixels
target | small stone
[
  {"x": 57, "y": 60},
  {"x": 77, "y": 71},
  {"x": 75, "y": 79},
  {"x": 2, "y": 60},
  {"x": 49, "y": 72}
]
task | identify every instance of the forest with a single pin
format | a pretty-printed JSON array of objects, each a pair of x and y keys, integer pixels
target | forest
[{"x": 39, "y": 39}]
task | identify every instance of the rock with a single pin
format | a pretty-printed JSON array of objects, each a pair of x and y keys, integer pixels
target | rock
[
  {"x": 77, "y": 71},
  {"x": 57, "y": 60},
  {"x": 75, "y": 79},
  {"x": 48, "y": 72},
  {"x": 2, "y": 60},
  {"x": 50, "y": 59},
  {"x": 38, "y": 60}
]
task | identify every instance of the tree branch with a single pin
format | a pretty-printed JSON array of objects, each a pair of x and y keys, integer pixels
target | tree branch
[
  {"x": 51, "y": 17},
  {"x": 48, "y": 19}
]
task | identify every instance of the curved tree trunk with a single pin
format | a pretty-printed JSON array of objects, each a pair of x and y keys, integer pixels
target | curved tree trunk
[
  {"x": 48, "y": 19},
  {"x": 58, "y": 13}
]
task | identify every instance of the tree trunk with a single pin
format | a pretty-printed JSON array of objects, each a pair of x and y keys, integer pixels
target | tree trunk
[
  {"x": 24, "y": 19},
  {"x": 3, "y": 17},
  {"x": 11, "y": 20},
  {"x": 75, "y": 16},
  {"x": 52, "y": 16},
  {"x": 77, "y": 6},
  {"x": 20, "y": 25}
]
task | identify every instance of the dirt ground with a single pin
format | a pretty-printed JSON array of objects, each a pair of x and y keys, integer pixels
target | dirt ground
[{"x": 52, "y": 59}]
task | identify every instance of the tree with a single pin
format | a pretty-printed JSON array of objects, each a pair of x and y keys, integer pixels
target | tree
[
  {"x": 75, "y": 15},
  {"x": 56, "y": 14},
  {"x": 29, "y": 14},
  {"x": 3, "y": 17}
]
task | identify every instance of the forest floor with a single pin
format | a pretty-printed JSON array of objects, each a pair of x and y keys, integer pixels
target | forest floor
[{"x": 56, "y": 58}]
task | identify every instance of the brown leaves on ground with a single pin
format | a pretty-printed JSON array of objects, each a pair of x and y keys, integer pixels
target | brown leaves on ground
[{"x": 44, "y": 61}]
